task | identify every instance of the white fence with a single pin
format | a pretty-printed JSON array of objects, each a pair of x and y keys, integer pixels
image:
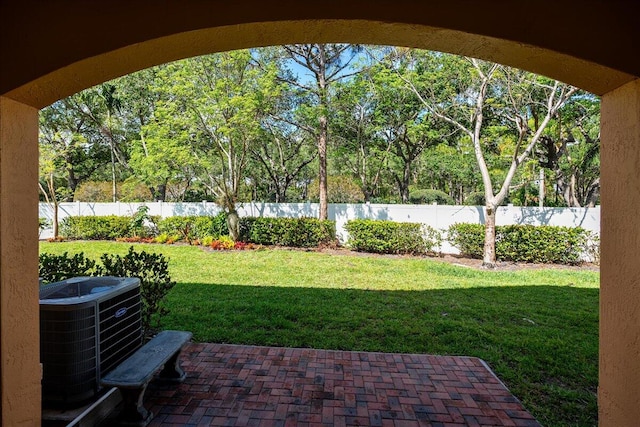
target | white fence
[{"x": 436, "y": 216}]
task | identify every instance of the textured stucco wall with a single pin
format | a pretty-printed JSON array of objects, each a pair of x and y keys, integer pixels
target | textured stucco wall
[
  {"x": 619, "y": 388},
  {"x": 19, "y": 321}
]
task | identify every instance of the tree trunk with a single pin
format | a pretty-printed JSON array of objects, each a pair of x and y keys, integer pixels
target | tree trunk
[
  {"x": 159, "y": 193},
  {"x": 55, "y": 219},
  {"x": 322, "y": 156},
  {"x": 569, "y": 192},
  {"x": 72, "y": 181},
  {"x": 404, "y": 193},
  {"x": 321, "y": 76},
  {"x": 489, "y": 256},
  {"x": 114, "y": 190},
  {"x": 406, "y": 179},
  {"x": 233, "y": 223},
  {"x": 541, "y": 189}
]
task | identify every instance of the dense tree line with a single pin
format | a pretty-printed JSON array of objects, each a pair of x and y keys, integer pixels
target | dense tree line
[{"x": 325, "y": 122}]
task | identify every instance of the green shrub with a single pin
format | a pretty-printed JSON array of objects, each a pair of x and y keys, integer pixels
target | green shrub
[
  {"x": 340, "y": 189},
  {"x": 133, "y": 190},
  {"x": 152, "y": 270},
  {"x": 526, "y": 243},
  {"x": 43, "y": 223},
  {"x": 177, "y": 226},
  {"x": 139, "y": 220},
  {"x": 214, "y": 226},
  {"x": 95, "y": 227},
  {"x": 155, "y": 281},
  {"x": 245, "y": 227},
  {"x": 592, "y": 247},
  {"x": 428, "y": 196},
  {"x": 207, "y": 240},
  {"x": 94, "y": 191},
  {"x": 190, "y": 228},
  {"x": 54, "y": 268},
  {"x": 166, "y": 238},
  {"x": 294, "y": 232},
  {"x": 475, "y": 199},
  {"x": 467, "y": 238},
  {"x": 389, "y": 237}
]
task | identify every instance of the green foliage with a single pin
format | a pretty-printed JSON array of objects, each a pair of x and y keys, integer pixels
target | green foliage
[
  {"x": 389, "y": 237},
  {"x": 181, "y": 226},
  {"x": 155, "y": 281},
  {"x": 526, "y": 243},
  {"x": 468, "y": 238},
  {"x": 54, "y": 268},
  {"x": 294, "y": 232},
  {"x": 475, "y": 199},
  {"x": 190, "y": 228},
  {"x": 592, "y": 248},
  {"x": 43, "y": 223},
  {"x": 207, "y": 240},
  {"x": 429, "y": 196},
  {"x": 107, "y": 227},
  {"x": 93, "y": 191},
  {"x": 166, "y": 238},
  {"x": 175, "y": 134},
  {"x": 138, "y": 221},
  {"x": 134, "y": 191},
  {"x": 450, "y": 169},
  {"x": 340, "y": 189},
  {"x": 152, "y": 269}
]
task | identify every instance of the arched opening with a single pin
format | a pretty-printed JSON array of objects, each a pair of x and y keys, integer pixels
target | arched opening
[{"x": 53, "y": 49}]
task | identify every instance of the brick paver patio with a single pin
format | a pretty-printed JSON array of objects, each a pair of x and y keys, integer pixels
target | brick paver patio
[{"x": 232, "y": 385}]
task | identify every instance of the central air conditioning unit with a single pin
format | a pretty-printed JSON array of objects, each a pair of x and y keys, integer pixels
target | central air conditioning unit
[{"x": 88, "y": 325}]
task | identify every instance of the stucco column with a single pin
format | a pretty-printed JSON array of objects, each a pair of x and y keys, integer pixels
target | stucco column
[
  {"x": 619, "y": 386},
  {"x": 19, "y": 315}
]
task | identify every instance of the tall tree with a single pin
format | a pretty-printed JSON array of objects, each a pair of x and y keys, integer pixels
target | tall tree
[
  {"x": 56, "y": 147},
  {"x": 571, "y": 149},
  {"x": 78, "y": 155},
  {"x": 358, "y": 146},
  {"x": 163, "y": 154},
  {"x": 140, "y": 95},
  {"x": 451, "y": 169},
  {"x": 327, "y": 64},
  {"x": 285, "y": 151},
  {"x": 401, "y": 120},
  {"x": 100, "y": 108},
  {"x": 282, "y": 154},
  {"x": 217, "y": 105},
  {"x": 476, "y": 91}
]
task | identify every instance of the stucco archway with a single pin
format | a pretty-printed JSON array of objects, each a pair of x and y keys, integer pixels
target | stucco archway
[{"x": 55, "y": 48}]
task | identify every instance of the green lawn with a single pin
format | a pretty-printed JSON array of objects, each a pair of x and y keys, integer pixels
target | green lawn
[{"x": 537, "y": 329}]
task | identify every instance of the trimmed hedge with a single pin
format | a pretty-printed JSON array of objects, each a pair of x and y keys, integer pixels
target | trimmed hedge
[
  {"x": 190, "y": 228},
  {"x": 389, "y": 237},
  {"x": 96, "y": 227},
  {"x": 525, "y": 243},
  {"x": 468, "y": 238},
  {"x": 294, "y": 232}
]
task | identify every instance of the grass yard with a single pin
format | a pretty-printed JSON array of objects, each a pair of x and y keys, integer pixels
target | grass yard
[{"x": 537, "y": 329}]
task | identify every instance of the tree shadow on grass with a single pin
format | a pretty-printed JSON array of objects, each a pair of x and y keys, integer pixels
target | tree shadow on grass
[{"x": 542, "y": 341}]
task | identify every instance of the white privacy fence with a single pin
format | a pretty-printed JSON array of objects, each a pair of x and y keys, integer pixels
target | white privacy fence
[{"x": 437, "y": 216}]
